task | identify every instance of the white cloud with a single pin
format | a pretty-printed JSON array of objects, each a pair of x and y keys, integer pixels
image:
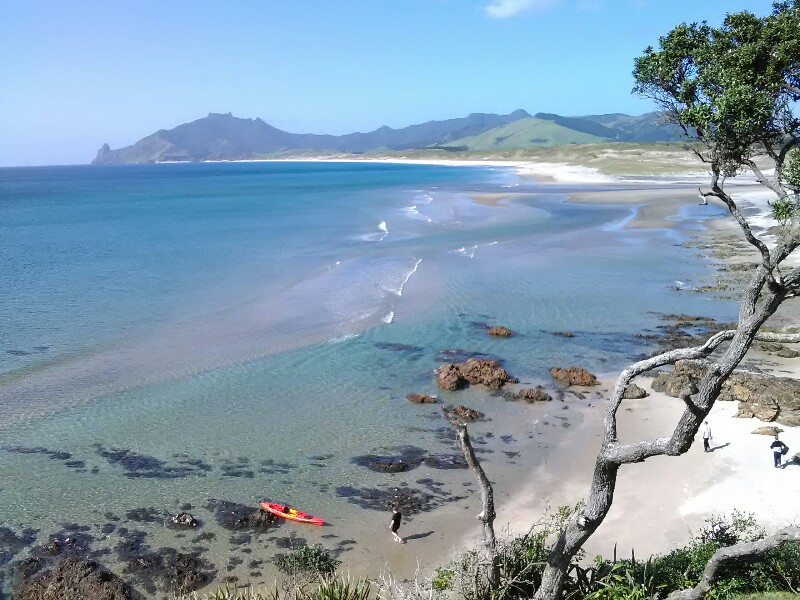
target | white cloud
[{"x": 502, "y": 9}]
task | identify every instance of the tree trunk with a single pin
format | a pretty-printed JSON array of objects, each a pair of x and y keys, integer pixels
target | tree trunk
[
  {"x": 760, "y": 300},
  {"x": 737, "y": 551},
  {"x": 487, "y": 515}
]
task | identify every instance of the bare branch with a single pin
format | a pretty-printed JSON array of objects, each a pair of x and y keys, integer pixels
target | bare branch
[
  {"x": 743, "y": 224},
  {"x": 763, "y": 179},
  {"x": 737, "y": 551},
  {"x": 487, "y": 515},
  {"x": 792, "y": 88}
]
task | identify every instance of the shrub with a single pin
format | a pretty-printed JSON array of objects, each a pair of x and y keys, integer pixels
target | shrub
[
  {"x": 338, "y": 588},
  {"x": 310, "y": 560}
]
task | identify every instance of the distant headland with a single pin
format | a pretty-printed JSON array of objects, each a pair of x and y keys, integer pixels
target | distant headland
[{"x": 225, "y": 137}]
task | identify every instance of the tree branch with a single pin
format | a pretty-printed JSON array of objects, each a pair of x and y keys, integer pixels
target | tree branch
[
  {"x": 487, "y": 515},
  {"x": 792, "y": 88},
  {"x": 763, "y": 179},
  {"x": 743, "y": 224},
  {"x": 725, "y": 555}
]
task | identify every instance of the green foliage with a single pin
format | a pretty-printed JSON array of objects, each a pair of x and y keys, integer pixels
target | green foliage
[
  {"x": 683, "y": 568},
  {"x": 310, "y": 560},
  {"x": 731, "y": 87},
  {"x": 443, "y": 578},
  {"x": 232, "y": 593},
  {"x": 790, "y": 173},
  {"x": 521, "y": 561},
  {"x": 338, "y": 588}
]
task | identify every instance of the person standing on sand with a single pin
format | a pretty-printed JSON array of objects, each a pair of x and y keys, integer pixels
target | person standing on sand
[
  {"x": 395, "y": 525},
  {"x": 706, "y": 431},
  {"x": 778, "y": 451}
]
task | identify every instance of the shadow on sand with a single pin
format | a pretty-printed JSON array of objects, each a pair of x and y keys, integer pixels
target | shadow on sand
[
  {"x": 418, "y": 536},
  {"x": 715, "y": 448}
]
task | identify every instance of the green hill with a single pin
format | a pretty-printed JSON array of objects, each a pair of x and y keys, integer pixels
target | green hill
[{"x": 525, "y": 133}]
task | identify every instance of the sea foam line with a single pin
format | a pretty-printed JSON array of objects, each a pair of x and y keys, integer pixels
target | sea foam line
[
  {"x": 413, "y": 213},
  {"x": 342, "y": 338},
  {"x": 470, "y": 252},
  {"x": 408, "y": 276}
]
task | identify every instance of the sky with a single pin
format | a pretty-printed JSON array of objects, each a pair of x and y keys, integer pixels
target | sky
[{"x": 75, "y": 75}]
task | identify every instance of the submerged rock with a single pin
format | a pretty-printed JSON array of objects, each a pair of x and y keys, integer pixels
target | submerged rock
[
  {"x": 237, "y": 517},
  {"x": 530, "y": 395},
  {"x": 421, "y": 398},
  {"x": 465, "y": 413},
  {"x": 499, "y": 331},
  {"x": 403, "y": 459},
  {"x": 70, "y": 579}
]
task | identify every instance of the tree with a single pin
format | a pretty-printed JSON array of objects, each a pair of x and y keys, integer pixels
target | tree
[{"x": 732, "y": 90}]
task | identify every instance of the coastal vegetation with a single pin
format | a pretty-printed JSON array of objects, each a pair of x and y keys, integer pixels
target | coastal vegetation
[
  {"x": 732, "y": 90},
  {"x": 522, "y": 559}
]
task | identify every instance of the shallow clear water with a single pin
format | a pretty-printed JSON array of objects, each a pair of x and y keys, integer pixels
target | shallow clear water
[{"x": 255, "y": 326}]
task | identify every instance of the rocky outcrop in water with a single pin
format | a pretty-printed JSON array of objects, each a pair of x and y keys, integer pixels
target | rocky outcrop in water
[
  {"x": 761, "y": 396},
  {"x": 474, "y": 371},
  {"x": 574, "y": 376}
]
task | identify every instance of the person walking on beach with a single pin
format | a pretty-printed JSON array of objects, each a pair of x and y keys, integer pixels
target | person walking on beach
[
  {"x": 395, "y": 525},
  {"x": 706, "y": 432},
  {"x": 778, "y": 450}
]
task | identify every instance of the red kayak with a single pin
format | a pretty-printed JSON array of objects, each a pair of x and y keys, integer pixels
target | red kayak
[{"x": 291, "y": 513}]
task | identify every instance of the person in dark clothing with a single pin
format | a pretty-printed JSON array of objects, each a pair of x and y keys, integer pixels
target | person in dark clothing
[
  {"x": 395, "y": 525},
  {"x": 778, "y": 451}
]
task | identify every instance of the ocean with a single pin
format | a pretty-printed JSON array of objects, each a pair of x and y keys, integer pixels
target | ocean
[{"x": 194, "y": 334}]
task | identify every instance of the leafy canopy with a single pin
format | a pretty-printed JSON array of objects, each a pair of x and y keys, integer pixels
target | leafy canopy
[{"x": 733, "y": 87}]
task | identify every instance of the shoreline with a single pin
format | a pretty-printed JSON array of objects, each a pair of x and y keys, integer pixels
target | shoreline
[
  {"x": 660, "y": 503},
  {"x": 551, "y": 470}
]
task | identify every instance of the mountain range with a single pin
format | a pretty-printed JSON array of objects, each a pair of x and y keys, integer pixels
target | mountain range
[{"x": 225, "y": 137}]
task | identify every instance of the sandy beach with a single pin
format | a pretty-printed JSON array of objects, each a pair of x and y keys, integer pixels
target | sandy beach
[{"x": 660, "y": 503}]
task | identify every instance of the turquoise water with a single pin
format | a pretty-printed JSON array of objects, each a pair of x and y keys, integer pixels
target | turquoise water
[{"x": 227, "y": 318}]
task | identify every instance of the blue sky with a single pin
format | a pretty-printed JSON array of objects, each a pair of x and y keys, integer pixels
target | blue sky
[{"x": 74, "y": 75}]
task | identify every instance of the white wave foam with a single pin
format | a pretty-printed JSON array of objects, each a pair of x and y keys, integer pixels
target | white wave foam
[
  {"x": 413, "y": 213},
  {"x": 389, "y": 317},
  {"x": 424, "y": 199},
  {"x": 408, "y": 276},
  {"x": 470, "y": 252},
  {"x": 342, "y": 338},
  {"x": 383, "y": 231}
]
